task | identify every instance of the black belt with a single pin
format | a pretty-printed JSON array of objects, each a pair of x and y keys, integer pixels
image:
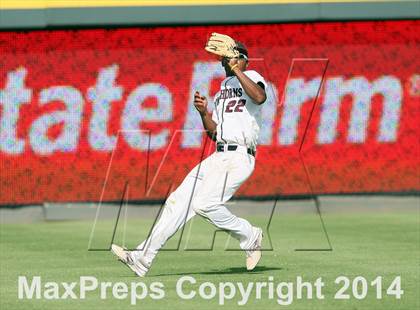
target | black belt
[{"x": 220, "y": 147}]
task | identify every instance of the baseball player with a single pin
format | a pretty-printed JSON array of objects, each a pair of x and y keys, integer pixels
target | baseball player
[{"x": 234, "y": 125}]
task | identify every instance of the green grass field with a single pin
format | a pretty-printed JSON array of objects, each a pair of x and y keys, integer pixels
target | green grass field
[{"x": 364, "y": 244}]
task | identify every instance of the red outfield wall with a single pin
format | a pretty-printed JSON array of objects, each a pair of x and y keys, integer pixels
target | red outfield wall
[{"x": 72, "y": 104}]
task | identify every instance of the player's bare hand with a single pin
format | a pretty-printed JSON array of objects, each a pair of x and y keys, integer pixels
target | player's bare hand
[
  {"x": 232, "y": 61},
  {"x": 200, "y": 103},
  {"x": 229, "y": 63}
]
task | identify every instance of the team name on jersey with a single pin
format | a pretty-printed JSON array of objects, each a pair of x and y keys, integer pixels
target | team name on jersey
[{"x": 228, "y": 93}]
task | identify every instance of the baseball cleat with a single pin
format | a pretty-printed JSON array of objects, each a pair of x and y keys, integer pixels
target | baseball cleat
[
  {"x": 254, "y": 255},
  {"x": 125, "y": 257}
]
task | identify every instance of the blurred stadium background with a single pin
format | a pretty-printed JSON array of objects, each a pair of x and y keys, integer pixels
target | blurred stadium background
[{"x": 77, "y": 78}]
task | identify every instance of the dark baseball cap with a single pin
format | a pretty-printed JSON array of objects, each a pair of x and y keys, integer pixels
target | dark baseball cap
[{"x": 240, "y": 47}]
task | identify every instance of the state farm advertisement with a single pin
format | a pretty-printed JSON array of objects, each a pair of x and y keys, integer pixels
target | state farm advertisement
[{"x": 87, "y": 114}]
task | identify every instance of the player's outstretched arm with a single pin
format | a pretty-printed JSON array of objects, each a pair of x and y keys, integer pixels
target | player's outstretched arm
[
  {"x": 200, "y": 103},
  {"x": 252, "y": 89}
]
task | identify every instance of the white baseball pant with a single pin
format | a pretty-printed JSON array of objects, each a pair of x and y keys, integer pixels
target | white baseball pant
[{"x": 210, "y": 184}]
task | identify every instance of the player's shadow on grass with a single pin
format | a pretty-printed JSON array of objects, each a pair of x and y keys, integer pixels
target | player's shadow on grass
[{"x": 232, "y": 270}]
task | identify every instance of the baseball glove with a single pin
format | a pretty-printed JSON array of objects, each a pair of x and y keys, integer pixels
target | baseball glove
[{"x": 221, "y": 45}]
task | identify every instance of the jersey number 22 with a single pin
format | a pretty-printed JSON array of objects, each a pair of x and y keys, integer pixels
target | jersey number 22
[{"x": 238, "y": 105}]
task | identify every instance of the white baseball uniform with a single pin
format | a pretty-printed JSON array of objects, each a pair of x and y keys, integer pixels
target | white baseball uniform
[{"x": 214, "y": 181}]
